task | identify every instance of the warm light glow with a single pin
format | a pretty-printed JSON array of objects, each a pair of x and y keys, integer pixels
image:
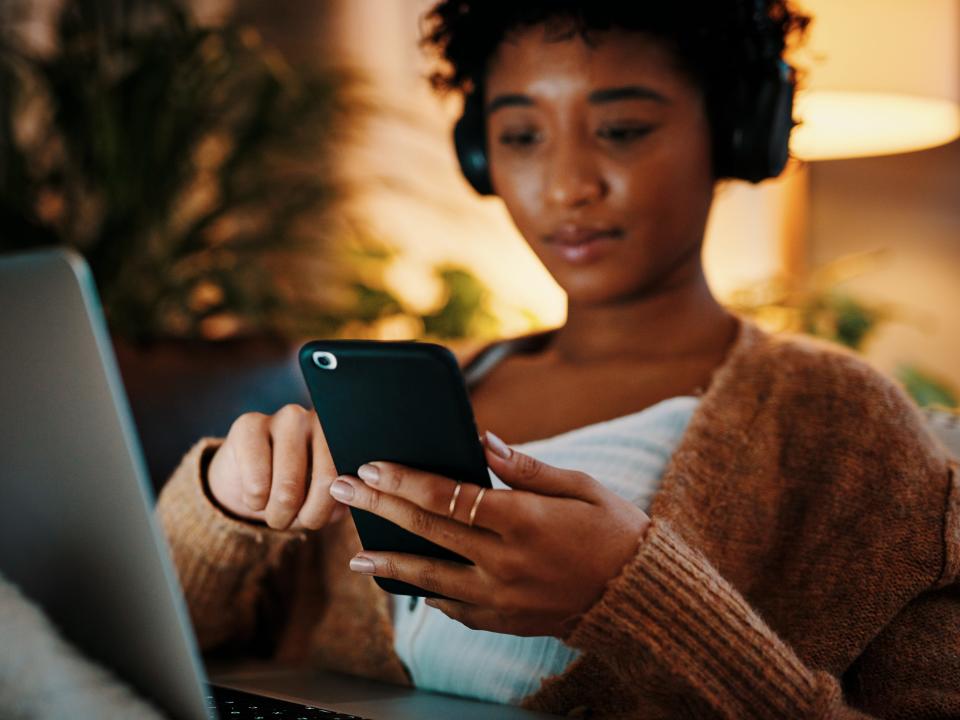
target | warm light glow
[
  {"x": 414, "y": 195},
  {"x": 880, "y": 77},
  {"x": 750, "y": 229},
  {"x": 860, "y": 124}
]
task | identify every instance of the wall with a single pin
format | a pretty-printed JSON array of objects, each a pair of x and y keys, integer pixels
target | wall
[{"x": 908, "y": 205}]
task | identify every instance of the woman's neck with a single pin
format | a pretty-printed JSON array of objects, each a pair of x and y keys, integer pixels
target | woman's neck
[{"x": 679, "y": 320}]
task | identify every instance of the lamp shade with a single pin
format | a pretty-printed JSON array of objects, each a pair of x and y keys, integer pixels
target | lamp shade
[{"x": 883, "y": 76}]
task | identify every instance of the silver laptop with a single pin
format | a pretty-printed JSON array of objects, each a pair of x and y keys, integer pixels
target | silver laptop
[{"x": 77, "y": 532}]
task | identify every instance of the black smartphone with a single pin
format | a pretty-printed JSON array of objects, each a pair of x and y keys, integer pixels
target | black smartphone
[{"x": 399, "y": 401}]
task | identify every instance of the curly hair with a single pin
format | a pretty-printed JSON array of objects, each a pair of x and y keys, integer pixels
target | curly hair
[
  {"x": 710, "y": 38},
  {"x": 715, "y": 43}
]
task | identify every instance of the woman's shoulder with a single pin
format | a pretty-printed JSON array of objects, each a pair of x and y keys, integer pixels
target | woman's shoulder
[
  {"x": 793, "y": 364},
  {"x": 849, "y": 434},
  {"x": 802, "y": 391}
]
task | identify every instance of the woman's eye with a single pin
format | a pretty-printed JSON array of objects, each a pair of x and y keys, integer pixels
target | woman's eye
[
  {"x": 519, "y": 139},
  {"x": 624, "y": 134},
  {"x": 616, "y": 134}
]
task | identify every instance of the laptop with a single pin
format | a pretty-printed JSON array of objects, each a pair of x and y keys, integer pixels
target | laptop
[{"x": 77, "y": 531}]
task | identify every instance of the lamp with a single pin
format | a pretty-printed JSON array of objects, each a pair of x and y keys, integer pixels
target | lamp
[{"x": 883, "y": 77}]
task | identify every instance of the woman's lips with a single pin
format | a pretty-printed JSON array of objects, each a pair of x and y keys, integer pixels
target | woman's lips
[{"x": 585, "y": 248}]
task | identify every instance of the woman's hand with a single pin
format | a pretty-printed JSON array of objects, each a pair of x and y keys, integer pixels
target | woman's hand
[
  {"x": 276, "y": 469},
  {"x": 543, "y": 551}
]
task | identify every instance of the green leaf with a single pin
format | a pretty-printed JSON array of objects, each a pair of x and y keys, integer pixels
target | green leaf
[
  {"x": 926, "y": 389},
  {"x": 465, "y": 313}
]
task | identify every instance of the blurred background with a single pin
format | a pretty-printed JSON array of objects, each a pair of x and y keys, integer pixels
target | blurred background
[{"x": 244, "y": 175}]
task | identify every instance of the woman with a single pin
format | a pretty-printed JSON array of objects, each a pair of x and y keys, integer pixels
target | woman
[{"x": 704, "y": 520}]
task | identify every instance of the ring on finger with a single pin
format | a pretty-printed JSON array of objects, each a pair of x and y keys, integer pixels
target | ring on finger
[
  {"x": 453, "y": 500},
  {"x": 476, "y": 504}
]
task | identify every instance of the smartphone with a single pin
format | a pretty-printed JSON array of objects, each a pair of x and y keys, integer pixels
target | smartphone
[{"x": 399, "y": 401}]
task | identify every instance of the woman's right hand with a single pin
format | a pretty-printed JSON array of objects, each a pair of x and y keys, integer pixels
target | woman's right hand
[{"x": 276, "y": 469}]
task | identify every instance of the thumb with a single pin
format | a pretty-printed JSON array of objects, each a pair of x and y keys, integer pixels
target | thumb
[{"x": 523, "y": 472}]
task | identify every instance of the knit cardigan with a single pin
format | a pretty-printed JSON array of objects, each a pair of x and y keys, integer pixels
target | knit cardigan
[{"x": 803, "y": 561}]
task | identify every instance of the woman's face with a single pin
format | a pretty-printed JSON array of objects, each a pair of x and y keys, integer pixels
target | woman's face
[{"x": 606, "y": 140}]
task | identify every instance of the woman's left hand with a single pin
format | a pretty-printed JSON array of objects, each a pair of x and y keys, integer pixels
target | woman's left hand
[{"x": 543, "y": 551}]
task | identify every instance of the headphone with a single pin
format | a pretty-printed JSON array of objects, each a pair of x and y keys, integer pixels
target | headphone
[{"x": 750, "y": 139}]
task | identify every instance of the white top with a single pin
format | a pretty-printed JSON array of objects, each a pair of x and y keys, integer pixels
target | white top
[{"x": 627, "y": 454}]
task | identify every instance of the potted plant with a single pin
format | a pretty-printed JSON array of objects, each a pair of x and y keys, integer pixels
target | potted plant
[{"x": 195, "y": 169}]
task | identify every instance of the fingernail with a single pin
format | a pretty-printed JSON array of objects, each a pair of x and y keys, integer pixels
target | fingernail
[
  {"x": 369, "y": 473},
  {"x": 342, "y": 490},
  {"x": 498, "y": 446},
  {"x": 362, "y": 565}
]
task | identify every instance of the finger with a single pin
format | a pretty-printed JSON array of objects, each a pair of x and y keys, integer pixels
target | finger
[
  {"x": 288, "y": 431},
  {"x": 521, "y": 471},
  {"x": 472, "y": 543},
  {"x": 336, "y": 515},
  {"x": 318, "y": 507},
  {"x": 438, "y": 494},
  {"x": 451, "y": 579},
  {"x": 250, "y": 445}
]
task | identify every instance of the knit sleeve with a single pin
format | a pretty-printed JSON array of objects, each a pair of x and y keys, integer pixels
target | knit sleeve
[
  {"x": 221, "y": 562},
  {"x": 912, "y": 668},
  {"x": 671, "y": 604}
]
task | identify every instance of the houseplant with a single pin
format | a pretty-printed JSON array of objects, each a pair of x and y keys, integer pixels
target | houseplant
[
  {"x": 196, "y": 171},
  {"x": 818, "y": 305}
]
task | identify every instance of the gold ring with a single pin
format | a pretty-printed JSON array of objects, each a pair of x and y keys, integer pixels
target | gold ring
[
  {"x": 453, "y": 500},
  {"x": 476, "y": 504}
]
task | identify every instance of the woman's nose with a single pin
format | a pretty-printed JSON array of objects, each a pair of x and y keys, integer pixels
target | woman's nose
[{"x": 573, "y": 178}]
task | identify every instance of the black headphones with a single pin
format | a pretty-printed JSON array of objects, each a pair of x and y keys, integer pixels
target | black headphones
[{"x": 750, "y": 140}]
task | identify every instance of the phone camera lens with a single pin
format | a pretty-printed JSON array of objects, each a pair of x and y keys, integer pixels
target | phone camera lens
[{"x": 324, "y": 360}]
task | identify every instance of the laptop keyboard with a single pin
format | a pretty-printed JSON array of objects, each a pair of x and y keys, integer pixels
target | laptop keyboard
[{"x": 230, "y": 704}]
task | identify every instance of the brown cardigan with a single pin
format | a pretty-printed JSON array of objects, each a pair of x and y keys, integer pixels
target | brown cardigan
[{"x": 803, "y": 561}]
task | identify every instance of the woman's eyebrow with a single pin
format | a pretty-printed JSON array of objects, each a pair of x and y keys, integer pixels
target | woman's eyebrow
[{"x": 627, "y": 92}]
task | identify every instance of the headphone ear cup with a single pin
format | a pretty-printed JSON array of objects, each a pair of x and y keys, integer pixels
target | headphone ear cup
[
  {"x": 781, "y": 122},
  {"x": 760, "y": 143},
  {"x": 470, "y": 142}
]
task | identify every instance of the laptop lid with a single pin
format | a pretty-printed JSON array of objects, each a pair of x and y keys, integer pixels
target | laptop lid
[{"x": 77, "y": 532}]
